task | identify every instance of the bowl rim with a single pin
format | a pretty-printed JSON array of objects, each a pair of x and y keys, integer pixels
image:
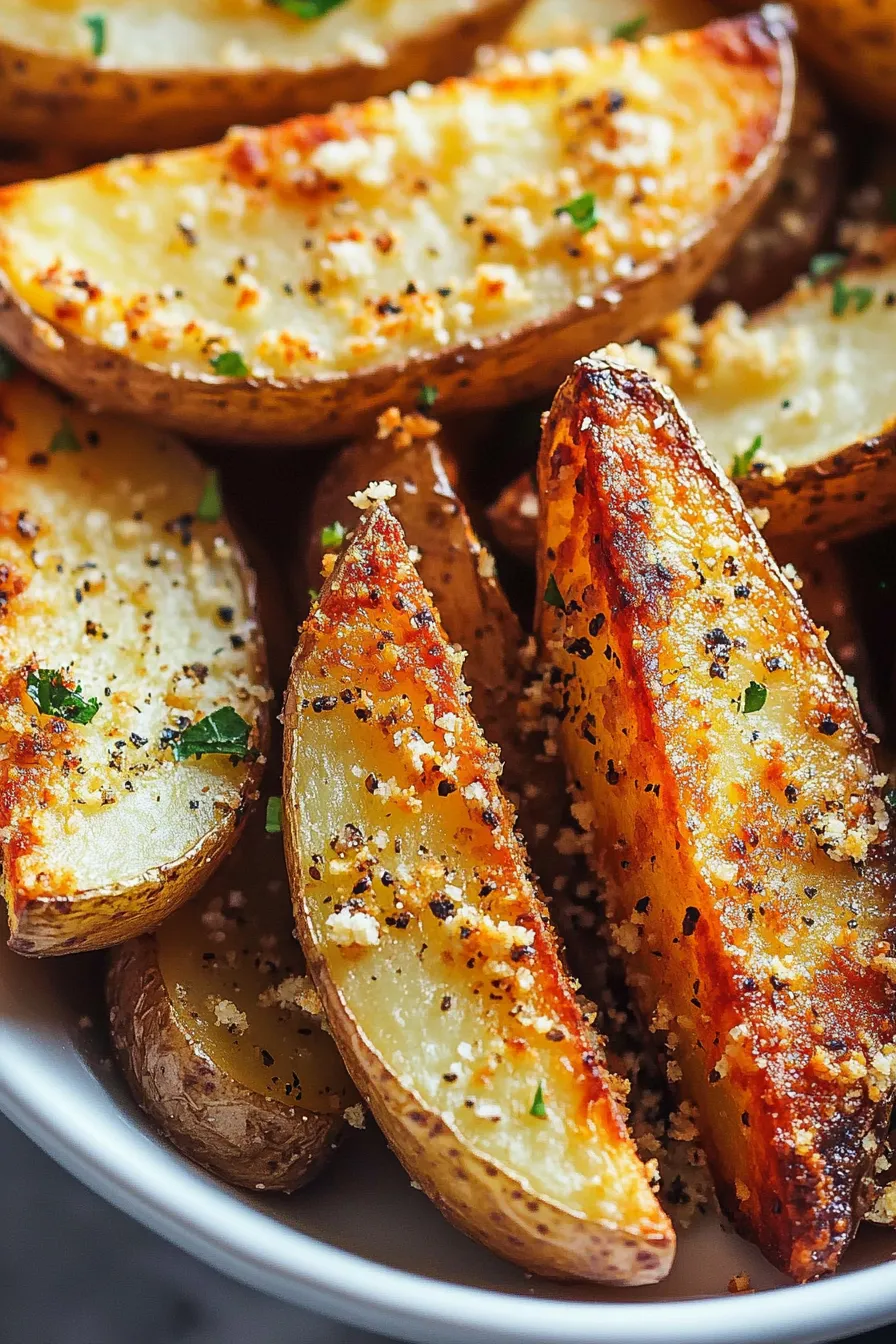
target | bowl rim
[{"x": 201, "y": 1215}]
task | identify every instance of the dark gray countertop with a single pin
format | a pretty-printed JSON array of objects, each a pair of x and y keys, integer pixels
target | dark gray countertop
[{"x": 73, "y": 1270}]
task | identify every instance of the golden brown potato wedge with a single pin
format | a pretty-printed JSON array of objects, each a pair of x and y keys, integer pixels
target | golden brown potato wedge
[
  {"x": 789, "y": 228},
  {"x": 430, "y": 948},
  {"x": 217, "y": 1028},
  {"x": 287, "y": 284},
  {"x": 799, "y": 403},
  {"x": 736, "y": 813},
  {"x": 119, "y": 574},
  {"x": 170, "y": 75}
]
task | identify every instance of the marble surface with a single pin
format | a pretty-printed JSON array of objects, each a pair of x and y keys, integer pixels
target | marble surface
[{"x": 73, "y": 1270}]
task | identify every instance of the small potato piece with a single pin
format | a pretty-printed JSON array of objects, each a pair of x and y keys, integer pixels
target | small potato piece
[
  {"x": 170, "y": 75},
  {"x": 807, "y": 379},
  {"x": 110, "y": 580},
  {"x": 285, "y": 285},
  {"x": 514, "y": 518},
  {"x": 736, "y": 811},
  {"x": 216, "y": 1026},
  {"x": 430, "y": 948}
]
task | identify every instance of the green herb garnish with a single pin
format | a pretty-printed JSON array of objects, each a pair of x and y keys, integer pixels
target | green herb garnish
[
  {"x": 230, "y": 364},
  {"x": 222, "y": 733},
  {"x": 890, "y": 798},
  {"x": 823, "y": 263},
  {"x": 65, "y": 440},
  {"x": 742, "y": 462},
  {"x": 273, "y": 816},
  {"x": 332, "y": 535},
  {"x": 538, "y": 1108},
  {"x": 96, "y": 25},
  {"x": 753, "y": 698},
  {"x": 210, "y": 506},
  {"x": 427, "y": 397},
  {"x": 628, "y": 31},
  {"x": 8, "y": 365},
  {"x": 314, "y": 594},
  {"x": 553, "y": 596},
  {"x": 859, "y": 295},
  {"x": 51, "y": 695},
  {"x": 581, "y": 211},
  {"x": 307, "y": 9}
]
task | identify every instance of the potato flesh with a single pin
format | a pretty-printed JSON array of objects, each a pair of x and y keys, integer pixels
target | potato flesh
[
  {"x": 231, "y": 951},
  {"x": 807, "y": 382},
  {"x": 748, "y": 942},
  {"x": 234, "y": 35},
  {"x": 247, "y": 245},
  {"x": 106, "y": 583},
  {"x": 437, "y": 978},
  {"x": 559, "y": 23}
]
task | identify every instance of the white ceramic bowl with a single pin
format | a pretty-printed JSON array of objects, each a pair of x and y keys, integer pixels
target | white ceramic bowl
[{"x": 363, "y": 1245}]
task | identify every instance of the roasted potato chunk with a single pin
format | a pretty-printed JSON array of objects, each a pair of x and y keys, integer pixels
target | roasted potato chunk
[
  {"x": 217, "y": 1028},
  {"x": 138, "y": 77},
  {"x": 430, "y": 948},
  {"x": 476, "y": 259},
  {"x": 797, "y": 403},
  {"x": 736, "y": 812},
  {"x": 134, "y": 706}
]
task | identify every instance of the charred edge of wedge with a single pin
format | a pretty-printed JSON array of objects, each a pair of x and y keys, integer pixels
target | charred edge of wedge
[
  {"x": 246, "y": 1139},
  {"x": 488, "y": 1202},
  {"x": 488, "y": 372},
  {"x": 823, "y": 1207}
]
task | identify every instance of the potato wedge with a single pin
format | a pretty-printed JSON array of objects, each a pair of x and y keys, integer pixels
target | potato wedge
[
  {"x": 736, "y": 812},
  {"x": 172, "y": 75},
  {"x": 286, "y": 284},
  {"x": 803, "y": 380},
  {"x": 429, "y": 947},
  {"x": 20, "y": 162},
  {"x": 216, "y": 1027},
  {"x": 110, "y": 578}
]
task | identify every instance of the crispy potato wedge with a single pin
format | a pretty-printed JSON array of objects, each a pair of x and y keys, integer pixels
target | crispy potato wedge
[
  {"x": 216, "y": 1027},
  {"x": 430, "y": 948},
  {"x": 173, "y": 75},
  {"x": 110, "y": 579},
  {"x": 789, "y": 228},
  {"x": 286, "y": 284},
  {"x": 736, "y": 812},
  {"x": 806, "y": 378}
]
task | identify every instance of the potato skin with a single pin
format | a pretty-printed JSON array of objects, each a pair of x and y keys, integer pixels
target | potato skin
[
  {"x": 631, "y": 499},
  {"x": 103, "y": 111},
  {"x": 480, "y": 372},
  {"x": 246, "y": 1139}
]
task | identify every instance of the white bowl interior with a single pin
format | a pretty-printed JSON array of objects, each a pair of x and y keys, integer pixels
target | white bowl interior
[{"x": 361, "y": 1243}]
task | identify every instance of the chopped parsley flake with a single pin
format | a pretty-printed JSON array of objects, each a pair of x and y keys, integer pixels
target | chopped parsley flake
[
  {"x": 230, "y": 364},
  {"x": 742, "y": 462},
  {"x": 538, "y": 1108},
  {"x": 824, "y": 263},
  {"x": 96, "y": 26},
  {"x": 222, "y": 733},
  {"x": 628, "y": 31},
  {"x": 314, "y": 594},
  {"x": 273, "y": 816},
  {"x": 65, "y": 440},
  {"x": 8, "y": 365},
  {"x": 890, "y": 798},
  {"x": 210, "y": 506},
  {"x": 427, "y": 396},
  {"x": 859, "y": 295},
  {"x": 753, "y": 698},
  {"x": 552, "y": 594},
  {"x": 51, "y": 695},
  {"x": 307, "y": 9},
  {"x": 581, "y": 211},
  {"x": 332, "y": 535}
]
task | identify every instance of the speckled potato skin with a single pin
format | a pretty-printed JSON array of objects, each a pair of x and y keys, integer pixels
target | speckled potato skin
[
  {"x": 492, "y": 371},
  {"x": 108, "y": 111},
  {"x": 235, "y": 1133}
]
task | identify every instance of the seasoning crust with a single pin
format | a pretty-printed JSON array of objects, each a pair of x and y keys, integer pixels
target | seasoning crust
[{"x": 736, "y": 812}]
